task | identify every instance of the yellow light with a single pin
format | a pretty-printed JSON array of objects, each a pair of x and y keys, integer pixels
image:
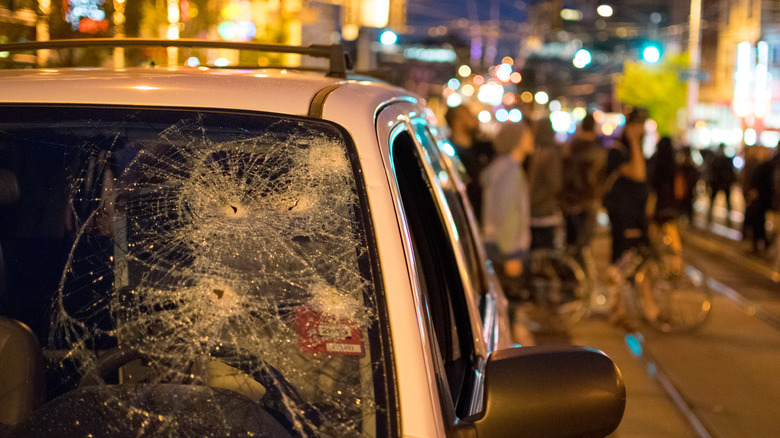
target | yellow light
[
  {"x": 173, "y": 32},
  {"x": 700, "y": 124},
  {"x": 527, "y": 97},
  {"x": 507, "y": 60},
  {"x": 467, "y": 90},
  {"x": 350, "y": 32},
  {"x": 374, "y": 13},
  {"x": 464, "y": 70},
  {"x": 231, "y": 11},
  {"x": 607, "y": 129}
]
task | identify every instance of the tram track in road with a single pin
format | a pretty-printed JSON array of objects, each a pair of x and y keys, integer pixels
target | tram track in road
[
  {"x": 749, "y": 306},
  {"x": 758, "y": 287},
  {"x": 635, "y": 342}
]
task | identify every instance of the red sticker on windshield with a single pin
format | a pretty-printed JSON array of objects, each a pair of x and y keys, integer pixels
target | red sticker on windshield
[{"x": 318, "y": 333}]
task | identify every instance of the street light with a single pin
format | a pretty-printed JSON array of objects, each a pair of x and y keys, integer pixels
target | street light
[{"x": 604, "y": 10}]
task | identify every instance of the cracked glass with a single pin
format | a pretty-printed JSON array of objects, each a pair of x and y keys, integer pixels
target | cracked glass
[{"x": 189, "y": 273}]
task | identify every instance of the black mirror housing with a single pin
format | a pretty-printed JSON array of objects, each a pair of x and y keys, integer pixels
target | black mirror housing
[{"x": 550, "y": 392}]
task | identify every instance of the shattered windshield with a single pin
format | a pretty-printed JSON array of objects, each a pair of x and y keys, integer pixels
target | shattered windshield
[{"x": 189, "y": 274}]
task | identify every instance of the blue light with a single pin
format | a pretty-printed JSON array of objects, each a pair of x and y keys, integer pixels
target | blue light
[
  {"x": 448, "y": 149},
  {"x": 388, "y": 38},
  {"x": 634, "y": 344}
]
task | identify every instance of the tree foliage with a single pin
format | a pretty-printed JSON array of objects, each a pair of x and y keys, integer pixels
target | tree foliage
[{"x": 657, "y": 87}]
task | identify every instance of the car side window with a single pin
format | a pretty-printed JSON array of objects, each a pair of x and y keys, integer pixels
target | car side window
[
  {"x": 440, "y": 280},
  {"x": 458, "y": 210}
]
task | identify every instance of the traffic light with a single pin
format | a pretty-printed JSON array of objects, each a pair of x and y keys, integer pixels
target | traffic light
[{"x": 651, "y": 53}]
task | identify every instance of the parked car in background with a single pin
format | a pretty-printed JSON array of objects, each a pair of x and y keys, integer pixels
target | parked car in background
[{"x": 255, "y": 252}]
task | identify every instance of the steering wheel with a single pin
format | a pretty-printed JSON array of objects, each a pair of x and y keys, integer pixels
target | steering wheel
[{"x": 281, "y": 398}]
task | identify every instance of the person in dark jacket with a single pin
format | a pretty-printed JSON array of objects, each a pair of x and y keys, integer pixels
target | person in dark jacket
[
  {"x": 722, "y": 176},
  {"x": 627, "y": 197},
  {"x": 759, "y": 201},
  {"x": 545, "y": 182},
  {"x": 474, "y": 152},
  {"x": 583, "y": 176}
]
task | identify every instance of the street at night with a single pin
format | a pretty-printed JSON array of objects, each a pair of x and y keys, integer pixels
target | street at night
[
  {"x": 717, "y": 381},
  {"x": 390, "y": 218}
]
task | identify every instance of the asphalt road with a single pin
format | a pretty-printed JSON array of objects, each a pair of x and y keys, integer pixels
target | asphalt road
[{"x": 720, "y": 381}]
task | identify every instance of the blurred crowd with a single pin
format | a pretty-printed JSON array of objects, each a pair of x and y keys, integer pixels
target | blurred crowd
[{"x": 527, "y": 188}]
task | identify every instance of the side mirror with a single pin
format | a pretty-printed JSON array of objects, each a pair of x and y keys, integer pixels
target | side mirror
[{"x": 550, "y": 392}]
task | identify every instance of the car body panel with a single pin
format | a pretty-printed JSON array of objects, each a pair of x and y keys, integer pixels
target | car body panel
[{"x": 284, "y": 92}]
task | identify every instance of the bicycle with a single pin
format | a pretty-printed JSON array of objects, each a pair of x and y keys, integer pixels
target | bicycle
[
  {"x": 658, "y": 286},
  {"x": 654, "y": 283}
]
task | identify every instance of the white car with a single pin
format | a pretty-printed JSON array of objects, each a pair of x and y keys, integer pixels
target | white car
[{"x": 265, "y": 252}]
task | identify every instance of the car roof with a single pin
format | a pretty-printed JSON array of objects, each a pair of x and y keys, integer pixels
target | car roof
[{"x": 282, "y": 91}]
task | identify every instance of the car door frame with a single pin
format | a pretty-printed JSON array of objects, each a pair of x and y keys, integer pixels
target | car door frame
[{"x": 401, "y": 115}]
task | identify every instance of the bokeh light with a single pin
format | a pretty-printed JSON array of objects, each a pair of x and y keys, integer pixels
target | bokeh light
[{"x": 541, "y": 98}]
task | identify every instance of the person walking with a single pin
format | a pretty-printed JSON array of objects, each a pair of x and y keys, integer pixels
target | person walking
[
  {"x": 506, "y": 218},
  {"x": 545, "y": 181},
  {"x": 760, "y": 203},
  {"x": 582, "y": 179},
  {"x": 474, "y": 152},
  {"x": 722, "y": 176},
  {"x": 690, "y": 175},
  {"x": 627, "y": 197},
  {"x": 626, "y": 200},
  {"x": 668, "y": 187}
]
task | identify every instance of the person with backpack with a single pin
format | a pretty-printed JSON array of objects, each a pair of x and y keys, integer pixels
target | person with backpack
[
  {"x": 668, "y": 187},
  {"x": 583, "y": 174},
  {"x": 545, "y": 182}
]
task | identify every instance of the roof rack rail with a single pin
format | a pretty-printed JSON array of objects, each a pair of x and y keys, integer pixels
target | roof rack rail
[{"x": 340, "y": 61}]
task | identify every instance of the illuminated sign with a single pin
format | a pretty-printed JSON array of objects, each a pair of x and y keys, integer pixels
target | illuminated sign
[
  {"x": 430, "y": 55},
  {"x": 742, "y": 79},
  {"x": 86, "y": 16}
]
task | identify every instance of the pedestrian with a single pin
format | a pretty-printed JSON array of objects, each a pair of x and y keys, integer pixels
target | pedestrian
[
  {"x": 545, "y": 181},
  {"x": 506, "y": 218},
  {"x": 722, "y": 176},
  {"x": 668, "y": 186},
  {"x": 760, "y": 203},
  {"x": 753, "y": 227},
  {"x": 690, "y": 175},
  {"x": 775, "y": 265},
  {"x": 582, "y": 180},
  {"x": 626, "y": 198},
  {"x": 474, "y": 152},
  {"x": 626, "y": 202}
]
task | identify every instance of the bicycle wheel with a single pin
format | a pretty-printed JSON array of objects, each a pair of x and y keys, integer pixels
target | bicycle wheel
[
  {"x": 557, "y": 292},
  {"x": 672, "y": 299}
]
